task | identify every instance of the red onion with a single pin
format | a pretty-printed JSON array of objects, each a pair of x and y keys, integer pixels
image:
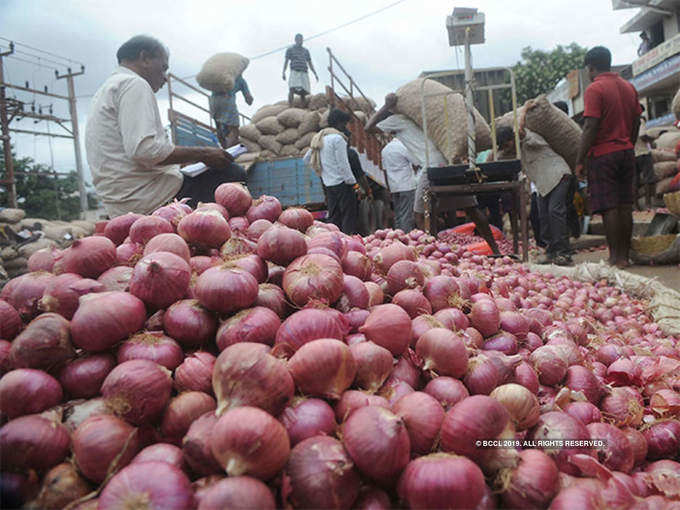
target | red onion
[
  {"x": 297, "y": 218},
  {"x": 324, "y": 368},
  {"x": 158, "y": 485},
  {"x": 374, "y": 365},
  {"x": 83, "y": 377},
  {"x": 322, "y": 250},
  {"x": 89, "y": 257},
  {"x": 205, "y": 228},
  {"x": 447, "y": 391},
  {"x": 5, "y": 364},
  {"x": 257, "y": 325},
  {"x": 482, "y": 376},
  {"x": 27, "y": 391},
  {"x": 147, "y": 227},
  {"x": 622, "y": 372},
  {"x": 226, "y": 290},
  {"x": 153, "y": 346},
  {"x": 441, "y": 481},
  {"x": 533, "y": 483},
  {"x": 421, "y": 324},
  {"x": 526, "y": 376},
  {"x": 404, "y": 274},
  {"x": 555, "y": 425},
  {"x": 257, "y": 228},
  {"x": 10, "y": 321},
  {"x": 311, "y": 324},
  {"x": 265, "y": 207},
  {"x": 245, "y": 374},
  {"x": 118, "y": 228},
  {"x": 234, "y": 197},
  {"x": 423, "y": 417},
  {"x": 138, "y": 389},
  {"x": 77, "y": 411},
  {"x": 116, "y": 279},
  {"x": 333, "y": 241},
  {"x": 313, "y": 277},
  {"x": 585, "y": 412},
  {"x": 521, "y": 404},
  {"x": 43, "y": 260},
  {"x": 237, "y": 492},
  {"x": 515, "y": 323},
  {"x": 578, "y": 496},
  {"x": 63, "y": 293},
  {"x": 105, "y": 318},
  {"x": 275, "y": 275},
  {"x": 617, "y": 453},
  {"x": 195, "y": 373},
  {"x": 272, "y": 296},
  {"x": 129, "y": 253},
  {"x": 663, "y": 477},
  {"x": 357, "y": 264},
  {"x": 663, "y": 439},
  {"x": 413, "y": 301},
  {"x": 248, "y": 441},
  {"x": 252, "y": 264},
  {"x": 665, "y": 403},
  {"x": 485, "y": 317},
  {"x": 161, "y": 452},
  {"x": 160, "y": 279},
  {"x": 352, "y": 339},
  {"x": 623, "y": 406},
  {"x": 104, "y": 444},
  {"x": 182, "y": 411},
  {"x": 24, "y": 292},
  {"x": 371, "y": 498},
  {"x": 475, "y": 418},
  {"x": 173, "y": 212},
  {"x": 171, "y": 243},
  {"x": 33, "y": 442},
  {"x": 212, "y": 206},
  {"x": 354, "y": 294},
  {"x": 375, "y": 294},
  {"x": 61, "y": 485},
  {"x": 196, "y": 446},
  {"x": 44, "y": 343},
  {"x": 443, "y": 292},
  {"x": 609, "y": 353},
  {"x": 581, "y": 379},
  {"x": 388, "y": 326},
  {"x": 352, "y": 400},
  {"x": 189, "y": 323},
  {"x": 394, "y": 389},
  {"x": 550, "y": 365},
  {"x": 239, "y": 224},
  {"x": 453, "y": 319},
  {"x": 308, "y": 417},
  {"x": 237, "y": 247},
  {"x": 387, "y": 256},
  {"x": 443, "y": 352},
  {"x": 638, "y": 444},
  {"x": 378, "y": 442},
  {"x": 281, "y": 245}
]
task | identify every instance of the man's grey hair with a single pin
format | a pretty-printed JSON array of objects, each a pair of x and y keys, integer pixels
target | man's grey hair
[{"x": 132, "y": 49}]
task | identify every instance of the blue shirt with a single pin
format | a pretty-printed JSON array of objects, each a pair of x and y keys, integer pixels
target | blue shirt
[{"x": 223, "y": 106}]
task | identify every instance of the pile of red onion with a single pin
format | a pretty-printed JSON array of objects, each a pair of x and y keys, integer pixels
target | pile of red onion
[{"x": 242, "y": 355}]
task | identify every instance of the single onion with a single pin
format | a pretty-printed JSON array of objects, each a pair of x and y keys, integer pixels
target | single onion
[
  {"x": 585, "y": 412},
  {"x": 453, "y": 318},
  {"x": 118, "y": 228},
  {"x": 443, "y": 292},
  {"x": 395, "y": 252},
  {"x": 521, "y": 404},
  {"x": 281, "y": 245},
  {"x": 443, "y": 352},
  {"x": 189, "y": 323},
  {"x": 515, "y": 323},
  {"x": 441, "y": 481},
  {"x": 555, "y": 425},
  {"x": 550, "y": 365},
  {"x": 357, "y": 264},
  {"x": 394, "y": 389},
  {"x": 213, "y": 206},
  {"x": 196, "y": 446},
  {"x": 264, "y": 207},
  {"x": 205, "y": 228},
  {"x": 129, "y": 253},
  {"x": 238, "y": 224},
  {"x": 272, "y": 296},
  {"x": 246, "y": 374},
  {"x": 322, "y": 475},
  {"x": 248, "y": 441},
  {"x": 195, "y": 372},
  {"x": 237, "y": 247},
  {"x": 77, "y": 411},
  {"x": 252, "y": 264},
  {"x": 44, "y": 343},
  {"x": 10, "y": 321},
  {"x": 532, "y": 484},
  {"x": 43, "y": 260},
  {"x": 257, "y": 228},
  {"x": 297, "y": 218},
  {"x": 104, "y": 444},
  {"x": 63, "y": 293},
  {"x": 313, "y": 277},
  {"x": 581, "y": 379},
  {"x": 182, "y": 411},
  {"x": 447, "y": 391},
  {"x": 421, "y": 324},
  {"x": 485, "y": 317},
  {"x": 354, "y": 294},
  {"x": 257, "y": 325},
  {"x": 336, "y": 242},
  {"x": 665, "y": 403},
  {"x": 526, "y": 376},
  {"x": 617, "y": 453},
  {"x": 663, "y": 439},
  {"x": 404, "y": 274},
  {"x": 28, "y": 391},
  {"x": 378, "y": 443},
  {"x": 311, "y": 324},
  {"x": 638, "y": 443},
  {"x": 371, "y": 498},
  {"x": 623, "y": 406},
  {"x": 413, "y": 301},
  {"x": 160, "y": 279},
  {"x": 138, "y": 390},
  {"x": 148, "y": 227},
  {"x": 171, "y": 243},
  {"x": 324, "y": 368},
  {"x": 116, "y": 279},
  {"x": 173, "y": 212},
  {"x": 375, "y": 294},
  {"x": 483, "y": 375},
  {"x": 352, "y": 400},
  {"x": 61, "y": 485},
  {"x": 234, "y": 197},
  {"x": 89, "y": 257},
  {"x": 226, "y": 290},
  {"x": 33, "y": 442},
  {"x": 161, "y": 452},
  {"x": 308, "y": 417},
  {"x": 503, "y": 342},
  {"x": 153, "y": 346},
  {"x": 423, "y": 417},
  {"x": 104, "y": 319},
  {"x": 24, "y": 292},
  {"x": 83, "y": 377},
  {"x": 237, "y": 492},
  {"x": 374, "y": 364},
  {"x": 388, "y": 326}
]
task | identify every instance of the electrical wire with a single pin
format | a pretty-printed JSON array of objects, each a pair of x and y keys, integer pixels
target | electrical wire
[
  {"x": 42, "y": 51},
  {"x": 32, "y": 63}
]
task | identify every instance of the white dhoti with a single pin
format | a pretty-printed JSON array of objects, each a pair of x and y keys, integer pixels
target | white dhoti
[{"x": 299, "y": 80}]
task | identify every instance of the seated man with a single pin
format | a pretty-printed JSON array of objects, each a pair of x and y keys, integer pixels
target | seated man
[{"x": 135, "y": 167}]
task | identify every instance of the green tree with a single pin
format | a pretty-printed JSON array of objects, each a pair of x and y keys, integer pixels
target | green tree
[{"x": 539, "y": 71}]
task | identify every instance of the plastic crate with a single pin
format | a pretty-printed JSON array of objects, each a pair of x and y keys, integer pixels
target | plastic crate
[{"x": 289, "y": 180}]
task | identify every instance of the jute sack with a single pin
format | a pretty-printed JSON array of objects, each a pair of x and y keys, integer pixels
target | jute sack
[
  {"x": 562, "y": 134},
  {"x": 249, "y": 131},
  {"x": 668, "y": 140},
  {"x": 665, "y": 169},
  {"x": 664, "y": 185},
  {"x": 269, "y": 126},
  {"x": 482, "y": 132},
  {"x": 318, "y": 101},
  {"x": 361, "y": 116},
  {"x": 675, "y": 106},
  {"x": 659, "y": 155},
  {"x": 291, "y": 118},
  {"x": 508, "y": 120},
  {"x": 220, "y": 71},
  {"x": 305, "y": 141},
  {"x": 271, "y": 110},
  {"x": 17, "y": 263},
  {"x": 87, "y": 226},
  {"x": 309, "y": 123},
  {"x": 289, "y": 150},
  {"x": 269, "y": 143},
  {"x": 267, "y": 154},
  {"x": 29, "y": 249},
  {"x": 287, "y": 137},
  {"x": 251, "y": 146},
  {"x": 12, "y": 216},
  {"x": 323, "y": 121},
  {"x": 359, "y": 103}
]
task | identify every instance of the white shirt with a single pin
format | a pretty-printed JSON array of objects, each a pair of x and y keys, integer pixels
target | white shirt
[
  {"x": 125, "y": 141},
  {"x": 398, "y": 161},
  {"x": 413, "y": 138},
  {"x": 335, "y": 167}
]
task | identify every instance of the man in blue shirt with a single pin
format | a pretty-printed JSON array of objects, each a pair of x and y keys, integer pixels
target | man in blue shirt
[{"x": 223, "y": 109}]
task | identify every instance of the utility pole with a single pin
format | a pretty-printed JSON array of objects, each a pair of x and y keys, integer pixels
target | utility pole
[
  {"x": 4, "y": 124},
  {"x": 74, "y": 131}
]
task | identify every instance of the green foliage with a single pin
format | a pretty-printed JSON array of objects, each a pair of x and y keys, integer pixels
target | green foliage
[{"x": 539, "y": 71}]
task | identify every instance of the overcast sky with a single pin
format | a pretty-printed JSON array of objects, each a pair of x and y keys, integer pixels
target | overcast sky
[{"x": 380, "y": 52}]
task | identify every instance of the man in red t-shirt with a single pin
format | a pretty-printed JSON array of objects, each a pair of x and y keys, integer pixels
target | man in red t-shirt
[{"x": 612, "y": 122}]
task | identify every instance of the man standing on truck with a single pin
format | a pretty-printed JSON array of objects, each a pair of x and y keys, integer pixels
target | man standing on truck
[
  {"x": 399, "y": 165},
  {"x": 299, "y": 59},
  {"x": 225, "y": 112},
  {"x": 135, "y": 167},
  {"x": 612, "y": 123}
]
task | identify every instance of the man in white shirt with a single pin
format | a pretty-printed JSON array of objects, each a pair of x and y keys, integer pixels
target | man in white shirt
[
  {"x": 328, "y": 157},
  {"x": 135, "y": 167},
  {"x": 399, "y": 165}
]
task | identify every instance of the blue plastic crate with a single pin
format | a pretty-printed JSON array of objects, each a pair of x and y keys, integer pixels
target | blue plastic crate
[{"x": 289, "y": 180}]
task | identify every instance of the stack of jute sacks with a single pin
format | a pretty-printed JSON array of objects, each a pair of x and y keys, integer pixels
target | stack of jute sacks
[{"x": 665, "y": 157}]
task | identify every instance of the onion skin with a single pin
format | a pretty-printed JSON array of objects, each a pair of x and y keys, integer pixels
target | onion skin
[
  {"x": 62, "y": 485},
  {"x": 189, "y": 323},
  {"x": 618, "y": 452},
  {"x": 153, "y": 346},
  {"x": 205, "y": 228},
  {"x": 103, "y": 444},
  {"x": 375, "y": 294},
  {"x": 234, "y": 197},
  {"x": 195, "y": 373},
  {"x": 24, "y": 292},
  {"x": 196, "y": 446},
  {"x": 169, "y": 243},
  {"x": 89, "y": 257},
  {"x": 352, "y": 400},
  {"x": 585, "y": 412},
  {"x": 106, "y": 318},
  {"x": 313, "y": 277},
  {"x": 581, "y": 379},
  {"x": 246, "y": 374},
  {"x": 441, "y": 481},
  {"x": 663, "y": 440},
  {"x": 44, "y": 343},
  {"x": 226, "y": 290},
  {"x": 281, "y": 245},
  {"x": 257, "y": 325},
  {"x": 161, "y": 452},
  {"x": 160, "y": 279},
  {"x": 129, "y": 253},
  {"x": 139, "y": 389},
  {"x": 182, "y": 411},
  {"x": 10, "y": 321},
  {"x": 447, "y": 391},
  {"x": 311, "y": 324},
  {"x": 264, "y": 207},
  {"x": 158, "y": 485},
  {"x": 623, "y": 406},
  {"x": 443, "y": 352},
  {"x": 378, "y": 443},
  {"x": 308, "y": 417},
  {"x": 423, "y": 417},
  {"x": 388, "y": 326},
  {"x": 237, "y": 492},
  {"x": 322, "y": 475},
  {"x": 521, "y": 404},
  {"x": 62, "y": 294},
  {"x": 83, "y": 377},
  {"x": 324, "y": 368},
  {"x": 374, "y": 365},
  {"x": 249, "y": 441},
  {"x": 533, "y": 483},
  {"x": 33, "y": 442}
]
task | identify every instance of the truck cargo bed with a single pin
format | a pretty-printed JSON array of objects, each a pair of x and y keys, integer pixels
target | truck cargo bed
[{"x": 289, "y": 180}]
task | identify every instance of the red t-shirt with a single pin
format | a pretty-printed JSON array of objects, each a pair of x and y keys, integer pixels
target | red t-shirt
[{"x": 615, "y": 102}]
